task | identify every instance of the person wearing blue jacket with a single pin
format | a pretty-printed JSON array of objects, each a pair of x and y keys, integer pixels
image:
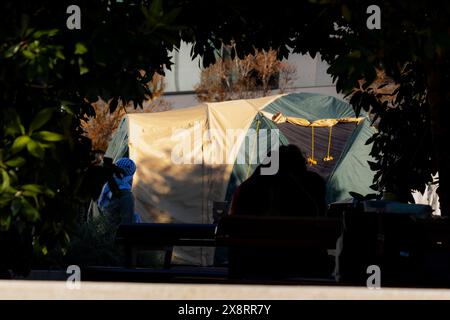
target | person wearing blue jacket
[{"x": 117, "y": 203}]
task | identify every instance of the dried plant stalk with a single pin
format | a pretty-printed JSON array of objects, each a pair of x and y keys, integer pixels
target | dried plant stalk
[
  {"x": 101, "y": 127},
  {"x": 246, "y": 78}
]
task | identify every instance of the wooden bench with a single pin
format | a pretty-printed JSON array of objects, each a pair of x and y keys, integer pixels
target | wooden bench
[
  {"x": 275, "y": 234},
  {"x": 410, "y": 250},
  {"x": 163, "y": 236},
  {"x": 176, "y": 274},
  {"x": 271, "y": 248},
  {"x": 278, "y": 246}
]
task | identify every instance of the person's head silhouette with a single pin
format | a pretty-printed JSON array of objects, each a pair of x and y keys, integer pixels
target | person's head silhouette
[{"x": 291, "y": 159}]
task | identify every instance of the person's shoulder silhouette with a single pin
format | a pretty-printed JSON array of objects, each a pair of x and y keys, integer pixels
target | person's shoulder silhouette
[{"x": 292, "y": 191}]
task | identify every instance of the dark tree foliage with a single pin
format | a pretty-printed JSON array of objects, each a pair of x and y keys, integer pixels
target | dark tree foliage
[
  {"x": 412, "y": 47},
  {"x": 49, "y": 75}
]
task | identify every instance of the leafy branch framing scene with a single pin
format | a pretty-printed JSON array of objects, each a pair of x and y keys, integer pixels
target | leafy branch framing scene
[{"x": 64, "y": 92}]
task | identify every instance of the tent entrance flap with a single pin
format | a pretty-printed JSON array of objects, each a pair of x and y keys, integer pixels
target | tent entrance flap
[
  {"x": 302, "y": 138},
  {"x": 261, "y": 133}
]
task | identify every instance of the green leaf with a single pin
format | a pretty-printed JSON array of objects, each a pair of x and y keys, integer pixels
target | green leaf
[
  {"x": 16, "y": 205},
  {"x": 67, "y": 109},
  {"x": 28, "y": 54},
  {"x": 11, "y": 51},
  {"x": 60, "y": 55},
  {"x": 49, "y": 33},
  {"x": 33, "y": 188},
  {"x": 19, "y": 143},
  {"x": 5, "y": 180},
  {"x": 66, "y": 237},
  {"x": 371, "y": 140},
  {"x": 15, "y": 162},
  {"x": 170, "y": 17},
  {"x": 346, "y": 13},
  {"x": 30, "y": 212},
  {"x": 48, "y": 136},
  {"x": 41, "y": 118},
  {"x": 355, "y": 54},
  {"x": 5, "y": 199},
  {"x": 13, "y": 124},
  {"x": 29, "y": 194},
  {"x": 48, "y": 192},
  {"x": 46, "y": 145},
  {"x": 374, "y": 166},
  {"x": 80, "y": 48},
  {"x": 35, "y": 149},
  {"x": 83, "y": 70},
  {"x": 5, "y": 223}
]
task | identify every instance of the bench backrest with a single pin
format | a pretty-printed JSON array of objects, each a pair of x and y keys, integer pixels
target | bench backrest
[
  {"x": 278, "y": 231},
  {"x": 169, "y": 234}
]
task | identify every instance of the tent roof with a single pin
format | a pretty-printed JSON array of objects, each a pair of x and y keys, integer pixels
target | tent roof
[
  {"x": 233, "y": 108},
  {"x": 310, "y": 106}
]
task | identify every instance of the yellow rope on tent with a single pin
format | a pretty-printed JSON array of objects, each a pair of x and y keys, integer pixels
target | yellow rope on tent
[
  {"x": 311, "y": 160},
  {"x": 254, "y": 146},
  {"x": 329, "y": 157},
  {"x": 280, "y": 118}
]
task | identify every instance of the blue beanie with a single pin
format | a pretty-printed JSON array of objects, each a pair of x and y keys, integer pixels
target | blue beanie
[{"x": 127, "y": 165}]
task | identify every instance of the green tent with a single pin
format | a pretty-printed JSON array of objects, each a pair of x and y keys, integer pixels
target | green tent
[
  {"x": 348, "y": 171},
  {"x": 186, "y": 163}
]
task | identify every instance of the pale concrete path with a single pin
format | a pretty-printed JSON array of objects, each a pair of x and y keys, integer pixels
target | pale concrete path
[{"x": 11, "y": 289}]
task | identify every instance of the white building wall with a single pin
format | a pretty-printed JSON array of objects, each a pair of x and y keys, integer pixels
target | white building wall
[
  {"x": 322, "y": 77},
  {"x": 185, "y": 75}
]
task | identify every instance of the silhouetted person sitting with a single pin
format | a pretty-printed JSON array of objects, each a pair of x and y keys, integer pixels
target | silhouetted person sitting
[{"x": 292, "y": 191}]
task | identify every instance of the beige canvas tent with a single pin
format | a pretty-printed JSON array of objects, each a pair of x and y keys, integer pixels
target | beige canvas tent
[
  {"x": 187, "y": 158},
  {"x": 182, "y": 192}
]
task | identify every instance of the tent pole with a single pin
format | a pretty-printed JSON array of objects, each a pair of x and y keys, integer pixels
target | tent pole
[{"x": 253, "y": 150}]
